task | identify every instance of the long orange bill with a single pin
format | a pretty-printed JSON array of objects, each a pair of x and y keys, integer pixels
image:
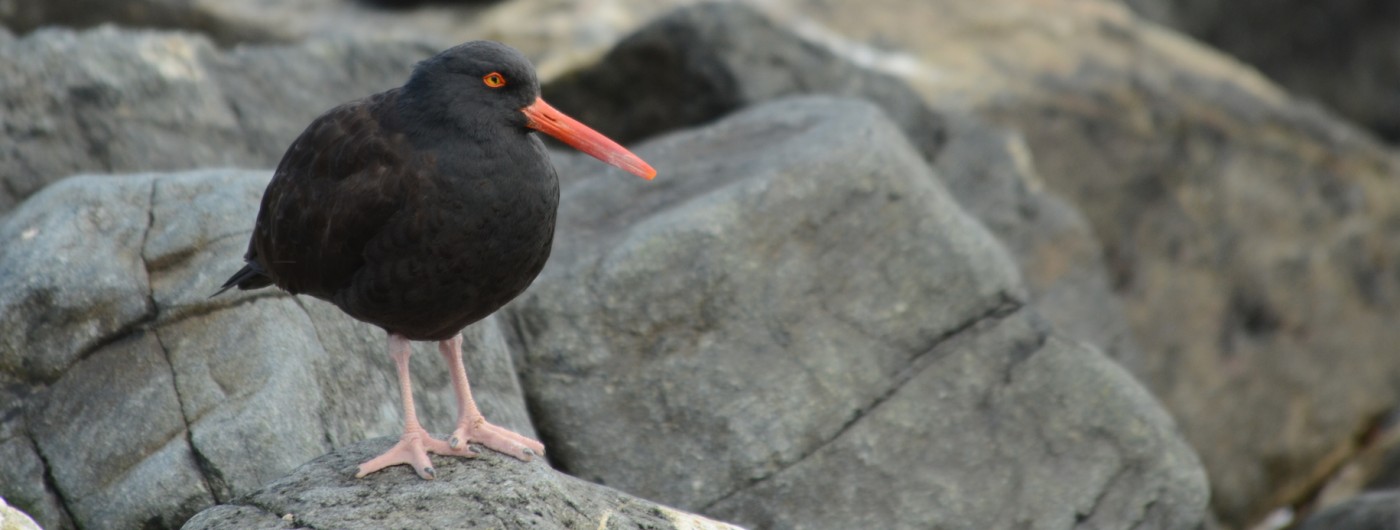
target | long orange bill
[{"x": 548, "y": 120}]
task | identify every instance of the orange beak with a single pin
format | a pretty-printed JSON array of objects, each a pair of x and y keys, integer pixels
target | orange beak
[{"x": 548, "y": 120}]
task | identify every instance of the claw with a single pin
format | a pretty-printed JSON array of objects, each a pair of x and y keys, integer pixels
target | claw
[
  {"x": 412, "y": 449},
  {"x": 494, "y": 437}
]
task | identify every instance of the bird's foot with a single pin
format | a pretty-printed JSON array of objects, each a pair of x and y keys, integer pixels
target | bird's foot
[
  {"x": 412, "y": 449},
  {"x": 492, "y": 436}
]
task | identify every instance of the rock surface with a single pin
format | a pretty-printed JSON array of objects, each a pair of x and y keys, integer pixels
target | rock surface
[
  {"x": 492, "y": 491},
  {"x": 554, "y": 33},
  {"x": 1344, "y": 53},
  {"x": 697, "y": 64},
  {"x": 803, "y": 293},
  {"x": 1251, "y": 236},
  {"x": 1370, "y": 511},
  {"x": 109, "y": 100},
  {"x": 141, "y": 400},
  {"x": 13, "y": 519}
]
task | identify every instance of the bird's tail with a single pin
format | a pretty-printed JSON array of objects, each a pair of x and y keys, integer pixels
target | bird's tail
[{"x": 251, "y": 276}]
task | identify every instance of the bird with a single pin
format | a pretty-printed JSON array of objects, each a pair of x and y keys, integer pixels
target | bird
[{"x": 421, "y": 210}]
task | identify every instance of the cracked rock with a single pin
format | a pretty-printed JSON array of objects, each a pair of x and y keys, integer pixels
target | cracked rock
[
  {"x": 699, "y": 63},
  {"x": 58, "y": 303},
  {"x": 145, "y": 413},
  {"x": 801, "y": 280},
  {"x": 491, "y": 491}
]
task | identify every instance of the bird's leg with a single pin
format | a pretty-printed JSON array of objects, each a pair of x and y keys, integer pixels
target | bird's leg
[
  {"x": 413, "y": 446},
  {"x": 471, "y": 426}
]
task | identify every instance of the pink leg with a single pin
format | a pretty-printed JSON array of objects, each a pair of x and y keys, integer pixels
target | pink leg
[
  {"x": 415, "y": 443},
  {"x": 471, "y": 426}
]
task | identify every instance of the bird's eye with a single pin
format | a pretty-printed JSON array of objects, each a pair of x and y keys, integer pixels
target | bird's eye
[{"x": 494, "y": 80}]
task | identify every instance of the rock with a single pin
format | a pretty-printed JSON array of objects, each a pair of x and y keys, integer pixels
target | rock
[
  {"x": 1370, "y": 511},
  {"x": 228, "y": 393},
  {"x": 1250, "y": 236},
  {"x": 554, "y": 33},
  {"x": 992, "y": 174},
  {"x": 1340, "y": 53},
  {"x": 74, "y": 275},
  {"x": 697, "y": 64},
  {"x": 110, "y": 100},
  {"x": 798, "y": 297},
  {"x": 12, "y": 519},
  {"x": 492, "y": 491}
]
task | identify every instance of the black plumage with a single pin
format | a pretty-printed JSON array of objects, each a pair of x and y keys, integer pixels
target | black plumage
[{"x": 421, "y": 210}]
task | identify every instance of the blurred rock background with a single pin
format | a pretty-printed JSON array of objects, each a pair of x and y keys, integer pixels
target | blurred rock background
[{"x": 969, "y": 264}]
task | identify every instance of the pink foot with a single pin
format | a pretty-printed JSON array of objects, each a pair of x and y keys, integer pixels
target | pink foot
[
  {"x": 493, "y": 437},
  {"x": 412, "y": 449}
]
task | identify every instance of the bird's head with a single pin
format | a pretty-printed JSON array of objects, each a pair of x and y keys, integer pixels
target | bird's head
[{"x": 490, "y": 81}]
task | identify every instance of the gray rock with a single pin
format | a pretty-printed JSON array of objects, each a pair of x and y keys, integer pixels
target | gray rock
[
  {"x": 24, "y": 471},
  {"x": 552, "y": 32},
  {"x": 492, "y": 491},
  {"x": 73, "y": 275},
  {"x": 699, "y": 63},
  {"x": 113, "y": 436},
  {"x": 992, "y": 174},
  {"x": 192, "y": 400},
  {"x": 1369, "y": 511},
  {"x": 110, "y": 100},
  {"x": 1001, "y": 426},
  {"x": 772, "y": 297},
  {"x": 1251, "y": 237}
]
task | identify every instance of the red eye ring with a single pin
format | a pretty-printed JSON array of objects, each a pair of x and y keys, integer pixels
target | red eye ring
[{"x": 494, "y": 80}]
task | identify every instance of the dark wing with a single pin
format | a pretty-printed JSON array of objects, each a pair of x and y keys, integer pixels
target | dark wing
[{"x": 337, "y": 186}]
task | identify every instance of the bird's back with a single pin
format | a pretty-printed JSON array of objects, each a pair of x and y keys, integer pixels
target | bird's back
[{"x": 421, "y": 232}]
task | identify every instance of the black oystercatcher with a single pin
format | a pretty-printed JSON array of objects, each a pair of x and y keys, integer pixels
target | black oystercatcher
[{"x": 421, "y": 210}]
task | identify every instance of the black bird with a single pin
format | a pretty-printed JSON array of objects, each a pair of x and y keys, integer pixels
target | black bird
[{"x": 421, "y": 210}]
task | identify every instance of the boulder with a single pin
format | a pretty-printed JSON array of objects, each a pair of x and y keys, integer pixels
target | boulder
[
  {"x": 697, "y": 64},
  {"x": 1341, "y": 53},
  {"x": 798, "y": 297},
  {"x": 1250, "y": 235},
  {"x": 139, "y": 400},
  {"x": 491, "y": 491},
  {"x": 110, "y": 101}
]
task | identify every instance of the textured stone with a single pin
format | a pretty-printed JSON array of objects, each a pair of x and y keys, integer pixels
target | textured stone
[
  {"x": 1251, "y": 237},
  {"x": 110, "y": 100},
  {"x": 200, "y": 400},
  {"x": 999, "y": 427},
  {"x": 492, "y": 491},
  {"x": 116, "y": 444},
  {"x": 71, "y": 279},
  {"x": 697, "y": 64},
  {"x": 798, "y": 265}
]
